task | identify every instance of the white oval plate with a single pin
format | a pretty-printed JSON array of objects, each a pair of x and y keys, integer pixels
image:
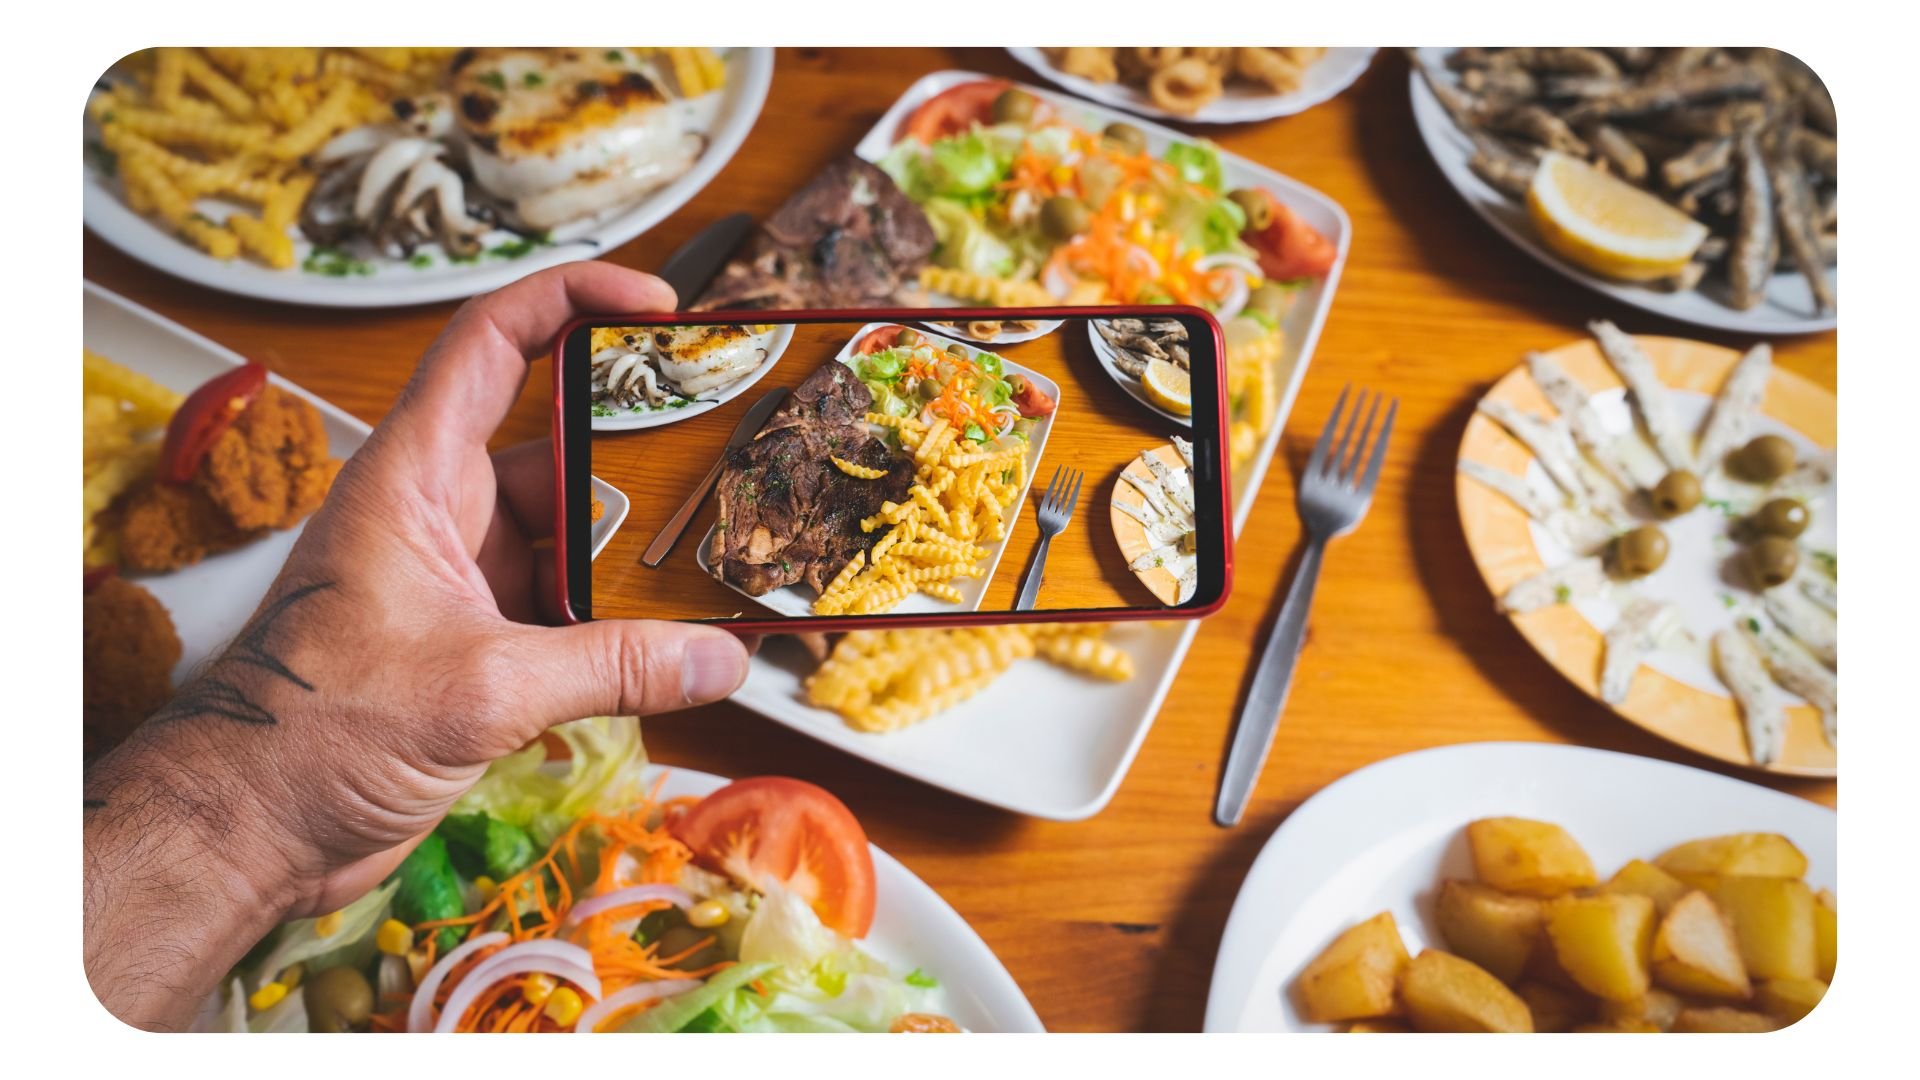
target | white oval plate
[
  {"x": 634, "y": 421},
  {"x": 617, "y": 504},
  {"x": 1383, "y": 838},
  {"x": 1133, "y": 386},
  {"x": 1069, "y": 767},
  {"x": 1788, "y": 308},
  {"x": 1004, "y": 337},
  {"x": 392, "y": 284},
  {"x": 914, "y": 928},
  {"x": 797, "y": 600},
  {"x": 211, "y": 600},
  {"x": 1331, "y": 74}
]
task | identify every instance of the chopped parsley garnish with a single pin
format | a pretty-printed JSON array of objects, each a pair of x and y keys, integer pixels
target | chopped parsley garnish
[
  {"x": 532, "y": 78},
  {"x": 921, "y": 979},
  {"x": 615, "y": 56},
  {"x": 602, "y": 410},
  {"x": 1727, "y": 600},
  {"x": 105, "y": 162},
  {"x": 1722, "y": 505},
  {"x": 1828, "y": 561},
  {"x": 1753, "y": 624},
  {"x": 420, "y": 261},
  {"x": 1562, "y": 594},
  {"x": 493, "y": 79},
  {"x": 332, "y": 262},
  {"x": 511, "y": 249}
]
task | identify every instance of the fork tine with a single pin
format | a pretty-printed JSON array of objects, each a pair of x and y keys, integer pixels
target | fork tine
[
  {"x": 1319, "y": 457},
  {"x": 1332, "y": 468},
  {"x": 1073, "y": 499},
  {"x": 1047, "y": 496},
  {"x": 1351, "y": 469},
  {"x": 1379, "y": 451}
]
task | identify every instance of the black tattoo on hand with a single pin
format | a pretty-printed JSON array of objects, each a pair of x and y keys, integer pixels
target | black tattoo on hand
[{"x": 213, "y": 695}]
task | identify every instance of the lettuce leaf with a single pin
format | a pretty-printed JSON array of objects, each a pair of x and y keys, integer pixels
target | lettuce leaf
[
  {"x": 822, "y": 981},
  {"x": 299, "y": 942},
  {"x": 675, "y": 1013},
  {"x": 603, "y": 775},
  {"x": 1197, "y": 163},
  {"x": 966, "y": 243}
]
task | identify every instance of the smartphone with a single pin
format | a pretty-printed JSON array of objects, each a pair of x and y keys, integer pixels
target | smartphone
[{"x": 779, "y": 471}]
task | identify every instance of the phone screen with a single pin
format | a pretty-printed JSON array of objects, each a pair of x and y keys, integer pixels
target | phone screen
[{"x": 878, "y": 469}]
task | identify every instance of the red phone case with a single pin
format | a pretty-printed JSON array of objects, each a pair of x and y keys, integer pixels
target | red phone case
[{"x": 836, "y": 623}]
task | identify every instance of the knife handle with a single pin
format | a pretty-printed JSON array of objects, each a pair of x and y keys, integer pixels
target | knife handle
[{"x": 670, "y": 533}]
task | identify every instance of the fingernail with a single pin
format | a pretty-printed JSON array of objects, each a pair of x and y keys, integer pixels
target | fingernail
[{"x": 712, "y": 667}]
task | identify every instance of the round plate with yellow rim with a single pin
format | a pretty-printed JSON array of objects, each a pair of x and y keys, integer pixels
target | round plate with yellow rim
[
  {"x": 1131, "y": 534},
  {"x": 1675, "y": 693}
]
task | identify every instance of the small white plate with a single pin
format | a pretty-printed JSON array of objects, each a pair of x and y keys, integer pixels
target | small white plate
[
  {"x": 211, "y": 600},
  {"x": 392, "y": 283},
  {"x": 1069, "y": 767},
  {"x": 1240, "y": 104},
  {"x": 1384, "y": 837},
  {"x": 1133, "y": 386},
  {"x": 617, "y": 504},
  {"x": 661, "y": 417},
  {"x": 1004, "y": 337},
  {"x": 797, "y": 600},
  {"x": 914, "y": 928},
  {"x": 1788, "y": 308}
]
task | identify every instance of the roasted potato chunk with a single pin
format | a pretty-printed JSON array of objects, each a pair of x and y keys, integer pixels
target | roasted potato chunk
[
  {"x": 1774, "y": 923},
  {"x": 1603, "y": 942},
  {"x": 1789, "y": 1000},
  {"x": 1354, "y": 977},
  {"x": 1553, "y": 1008},
  {"x": 1489, "y": 927},
  {"x": 1826, "y": 934},
  {"x": 1721, "y": 1018},
  {"x": 1695, "y": 951},
  {"x": 1656, "y": 1007},
  {"x": 1642, "y": 878},
  {"x": 1532, "y": 858},
  {"x": 1445, "y": 993},
  {"x": 1741, "y": 854}
]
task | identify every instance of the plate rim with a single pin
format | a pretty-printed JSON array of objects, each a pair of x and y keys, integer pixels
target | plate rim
[
  {"x": 615, "y": 518},
  {"x": 1255, "y": 108},
  {"x": 106, "y": 215},
  {"x": 1537, "y": 638},
  {"x": 1244, "y": 947}
]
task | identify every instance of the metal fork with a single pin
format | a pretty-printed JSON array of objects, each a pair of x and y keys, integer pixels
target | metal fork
[
  {"x": 1334, "y": 496},
  {"x": 1056, "y": 509}
]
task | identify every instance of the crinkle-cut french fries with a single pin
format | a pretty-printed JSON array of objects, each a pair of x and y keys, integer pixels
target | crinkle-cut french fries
[
  {"x": 1532, "y": 858},
  {"x": 1717, "y": 935},
  {"x": 1355, "y": 977},
  {"x": 1445, "y": 993}
]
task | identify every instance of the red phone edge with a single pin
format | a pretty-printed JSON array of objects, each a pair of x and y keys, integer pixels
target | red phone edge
[{"x": 837, "y": 623}]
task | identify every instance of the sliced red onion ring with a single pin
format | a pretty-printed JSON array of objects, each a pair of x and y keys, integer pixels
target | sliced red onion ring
[
  {"x": 637, "y": 994},
  {"x": 1235, "y": 299},
  {"x": 560, "y": 959},
  {"x": 632, "y": 894},
  {"x": 420, "y": 1013}
]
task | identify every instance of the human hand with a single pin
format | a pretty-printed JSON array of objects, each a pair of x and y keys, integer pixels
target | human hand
[{"x": 392, "y": 660}]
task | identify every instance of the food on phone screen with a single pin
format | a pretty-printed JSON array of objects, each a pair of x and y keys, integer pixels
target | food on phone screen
[
  {"x": 1153, "y": 521},
  {"x": 639, "y": 369}
]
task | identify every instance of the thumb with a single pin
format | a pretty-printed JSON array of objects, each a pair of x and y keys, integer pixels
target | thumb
[{"x": 626, "y": 667}]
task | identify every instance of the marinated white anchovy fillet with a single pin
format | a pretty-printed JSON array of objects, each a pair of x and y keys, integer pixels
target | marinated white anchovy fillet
[
  {"x": 1173, "y": 481},
  {"x": 1589, "y": 434},
  {"x": 1550, "y": 442},
  {"x": 1760, "y": 703},
  {"x": 1184, "y": 449},
  {"x": 1183, "y": 566},
  {"x": 1628, "y": 641},
  {"x": 1579, "y": 531},
  {"x": 1735, "y": 408},
  {"x": 1556, "y": 585},
  {"x": 1648, "y": 392},
  {"x": 1155, "y": 498},
  {"x": 1797, "y": 671},
  {"x": 1159, "y": 529},
  {"x": 1811, "y": 477},
  {"x": 1811, "y": 626},
  {"x": 1820, "y": 589}
]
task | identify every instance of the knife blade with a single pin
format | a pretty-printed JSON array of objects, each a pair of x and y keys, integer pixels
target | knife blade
[
  {"x": 692, "y": 267},
  {"x": 743, "y": 433}
]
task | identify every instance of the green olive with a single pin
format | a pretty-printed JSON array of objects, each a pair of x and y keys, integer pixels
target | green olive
[
  {"x": 1255, "y": 205},
  {"x": 1639, "y": 552},
  {"x": 1782, "y": 517},
  {"x": 338, "y": 999},
  {"x": 955, "y": 349},
  {"x": 907, "y": 339},
  {"x": 1764, "y": 460},
  {"x": 1677, "y": 493},
  {"x": 1013, "y": 107},
  {"x": 928, "y": 389},
  {"x": 680, "y": 939},
  {"x": 1771, "y": 560},
  {"x": 1126, "y": 138},
  {"x": 1269, "y": 299},
  {"x": 1064, "y": 217}
]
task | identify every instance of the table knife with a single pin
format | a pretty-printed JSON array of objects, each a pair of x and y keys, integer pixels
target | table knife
[{"x": 693, "y": 267}]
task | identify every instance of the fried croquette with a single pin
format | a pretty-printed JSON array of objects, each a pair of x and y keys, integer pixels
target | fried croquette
[
  {"x": 270, "y": 469},
  {"x": 129, "y": 654},
  {"x": 167, "y": 526}
]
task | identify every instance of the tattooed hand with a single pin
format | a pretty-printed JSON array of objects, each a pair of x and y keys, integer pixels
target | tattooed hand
[{"x": 393, "y": 659}]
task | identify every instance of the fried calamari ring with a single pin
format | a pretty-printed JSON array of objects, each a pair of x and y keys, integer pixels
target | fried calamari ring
[
  {"x": 1185, "y": 86},
  {"x": 1269, "y": 67}
]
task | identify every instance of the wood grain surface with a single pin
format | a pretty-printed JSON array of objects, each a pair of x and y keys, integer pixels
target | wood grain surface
[
  {"x": 1112, "y": 923},
  {"x": 1097, "y": 428}
]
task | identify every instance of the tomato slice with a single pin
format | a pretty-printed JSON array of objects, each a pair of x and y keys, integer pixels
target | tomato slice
[
  {"x": 770, "y": 831},
  {"x": 204, "y": 416},
  {"x": 1030, "y": 399},
  {"x": 953, "y": 110},
  {"x": 1289, "y": 248},
  {"x": 876, "y": 339},
  {"x": 96, "y": 574}
]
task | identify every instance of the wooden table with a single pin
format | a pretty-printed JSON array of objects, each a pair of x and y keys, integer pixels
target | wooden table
[{"x": 1113, "y": 923}]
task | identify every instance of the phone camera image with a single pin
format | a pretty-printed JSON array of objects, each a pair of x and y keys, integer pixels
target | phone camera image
[{"x": 930, "y": 468}]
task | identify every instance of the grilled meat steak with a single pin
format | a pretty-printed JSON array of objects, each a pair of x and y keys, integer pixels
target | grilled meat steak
[
  {"x": 850, "y": 238},
  {"x": 786, "y": 513}
]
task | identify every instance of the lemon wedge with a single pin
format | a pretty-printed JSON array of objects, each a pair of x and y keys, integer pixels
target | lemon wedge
[
  {"x": 1607, "y": 225},
  {"x": 1169, "y": 386}
]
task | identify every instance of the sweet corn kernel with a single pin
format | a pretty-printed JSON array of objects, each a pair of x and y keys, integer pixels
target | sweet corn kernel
[
  {"x": 267, "y": 997},
  {"x": 328, "y": 925},
  {"x": 291, "y": 977},
  {"x": 394, "y": 938},
  {"x": 418, "y": 963},
  {"x": 486, "y": 887},
  {"x": 538, "y": 988},
  {"x": 708, "y": 914},
  {"x": 563, "y": 1006}
]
